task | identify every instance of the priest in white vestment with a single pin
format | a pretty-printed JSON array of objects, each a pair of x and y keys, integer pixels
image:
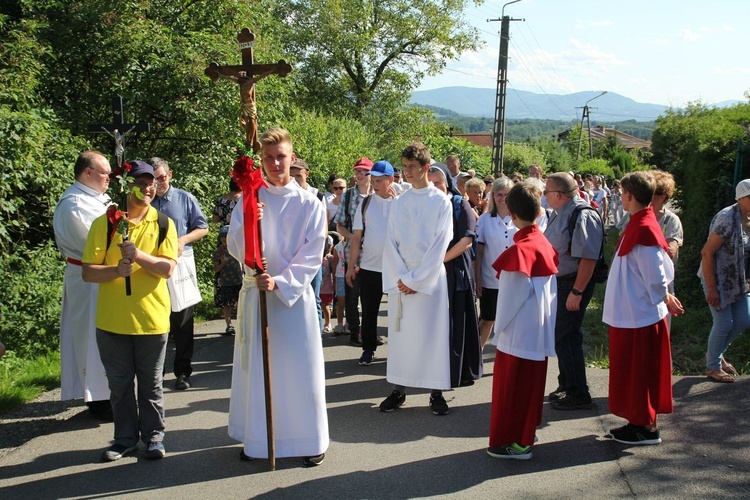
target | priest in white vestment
[
  {"x": 294, "y": 231},
  {"x": 82, "y": 371},
  {"x": 420, "y": 226}
]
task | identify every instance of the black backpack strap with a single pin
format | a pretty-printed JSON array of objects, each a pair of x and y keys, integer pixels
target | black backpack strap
[
  {"x": 347, "y": 209},
  {"x": 365, "y": 202},
  {"x": 572, "y": 225},
  {"x": 163, "y": 227}
]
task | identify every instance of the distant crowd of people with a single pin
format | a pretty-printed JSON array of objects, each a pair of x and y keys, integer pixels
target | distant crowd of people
[{"x": 462, "y": 260}]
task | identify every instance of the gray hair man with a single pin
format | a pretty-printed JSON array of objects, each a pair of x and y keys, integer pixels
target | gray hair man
[
  {"x": 184, "y": 210},
  {"x": 575, "y": 287}
]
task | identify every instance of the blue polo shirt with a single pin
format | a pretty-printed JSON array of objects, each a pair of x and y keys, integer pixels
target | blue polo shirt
[{"x": 183, "y": 209}]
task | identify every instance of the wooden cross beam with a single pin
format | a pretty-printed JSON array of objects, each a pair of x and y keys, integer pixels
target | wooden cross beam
[
  {"x": 247, "y": 74},
  {"x": 118, "y": 129}
]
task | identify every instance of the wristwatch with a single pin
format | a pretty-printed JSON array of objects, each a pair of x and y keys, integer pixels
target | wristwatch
[{"x": 575, "y": 292}]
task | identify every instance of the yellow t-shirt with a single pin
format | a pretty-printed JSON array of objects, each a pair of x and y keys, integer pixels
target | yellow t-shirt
[{"x": 146, "y": 311}]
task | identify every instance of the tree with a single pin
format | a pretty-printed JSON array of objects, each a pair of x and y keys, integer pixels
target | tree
[{"x": 364, "y": 57}]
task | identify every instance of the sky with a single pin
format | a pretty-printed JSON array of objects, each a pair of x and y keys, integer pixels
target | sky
[{"x": 658, "y": 51}]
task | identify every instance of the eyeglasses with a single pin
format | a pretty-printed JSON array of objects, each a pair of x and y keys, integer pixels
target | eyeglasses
[
  {"x": 144, "y": 185},
  {"x": 361, "y": 172},
  {"x": 161, "y": 178},
  {"x": 501, "y": 195},
  {"x": 545, "y": 193},
  {"x": 338, "y": 188}
]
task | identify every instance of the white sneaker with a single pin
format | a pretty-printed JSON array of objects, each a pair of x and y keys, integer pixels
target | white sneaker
[{"x": 327, "y": 329}]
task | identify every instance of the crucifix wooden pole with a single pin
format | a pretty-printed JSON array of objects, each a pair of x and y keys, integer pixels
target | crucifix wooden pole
[{"x": 246, "y": 75}]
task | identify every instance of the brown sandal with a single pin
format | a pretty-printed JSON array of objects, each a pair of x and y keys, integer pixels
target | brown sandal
[
  {"x": 719, "y": 376},
  {"x": 727, "y": 367}
]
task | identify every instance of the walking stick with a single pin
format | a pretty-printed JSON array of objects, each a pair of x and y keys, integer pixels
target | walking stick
[{"x": 251, "y": 180}]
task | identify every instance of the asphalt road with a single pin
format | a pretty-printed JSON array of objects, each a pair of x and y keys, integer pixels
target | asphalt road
[{"x": 409, "y": 453}]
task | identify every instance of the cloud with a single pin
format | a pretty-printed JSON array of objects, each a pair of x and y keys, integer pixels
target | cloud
[
  {"x": 688, "y": 36},
  {"x": 733, "y": 71}
]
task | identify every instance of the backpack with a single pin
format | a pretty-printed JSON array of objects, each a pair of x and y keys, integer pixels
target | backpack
[
  {"x": 163, "y": 227},
  {"x": 601, "y": 271}
]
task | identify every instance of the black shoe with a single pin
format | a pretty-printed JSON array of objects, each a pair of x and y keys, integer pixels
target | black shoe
[
  {"x": 244, "y": 457},
  {"x": 467, "y": 382},
  {"x": 366, "y": 358},
  {"x": 636, "y": 435},
  {"x": 314, "y": 461},
  {"x": 568, "y": 403},
  {"x": 101, "y": 410},
  {"x": 229, "y": 330},
  {"x": 557, "y": 394},
  {"x": 393, "y": 401},
  {"x": 117, "y": 451},
  {"x": 438, "y": 404},
  {"x": 182, "y": 383},
  {"x": 380, "y": 340},
  {"x": 355, "y": 339}
]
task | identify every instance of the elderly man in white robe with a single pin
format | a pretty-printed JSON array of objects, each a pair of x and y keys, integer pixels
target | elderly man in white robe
[
  {"x": 420, "y": 226},
  {"x": 82, "y": 371},
  {"x": 294, "y": 228}
]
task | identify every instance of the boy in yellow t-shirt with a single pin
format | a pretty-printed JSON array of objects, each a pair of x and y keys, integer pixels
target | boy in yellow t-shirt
[{"x": 132, "y": 330}]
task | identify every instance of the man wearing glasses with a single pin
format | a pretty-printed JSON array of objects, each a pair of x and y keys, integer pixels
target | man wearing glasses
[
  {"x": 131, "y": 330},
  {"x": 82, "y": 371},
  {"x": 184, "y": 210},
  {"x": 344, "y": 226},
  {"x": 578, "y": 257}
]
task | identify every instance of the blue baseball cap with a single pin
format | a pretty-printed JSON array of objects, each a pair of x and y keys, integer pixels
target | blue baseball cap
[
  {"x": 380, "y": 168},
  {"x": 138, "y": 168}
]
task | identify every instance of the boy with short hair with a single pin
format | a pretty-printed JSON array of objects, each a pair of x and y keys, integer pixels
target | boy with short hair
[
  {"x": 420, "y": 226},
  {"x": 636, "y": 303},
  {"x": 524, "y": 329},
  {"x": 294, "y": 224}
]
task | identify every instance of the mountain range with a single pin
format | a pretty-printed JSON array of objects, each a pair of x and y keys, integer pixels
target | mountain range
[{"x": 520, "y": 104}]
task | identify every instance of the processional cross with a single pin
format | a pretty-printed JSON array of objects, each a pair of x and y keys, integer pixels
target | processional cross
[
  {"x": 118, "y": 129},
  {"x": 247, "y": 74}
]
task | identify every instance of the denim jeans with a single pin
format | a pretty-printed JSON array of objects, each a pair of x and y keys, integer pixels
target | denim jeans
[
  {"x": 728, "y": 324},
  {"x": 316, "y": 283}
]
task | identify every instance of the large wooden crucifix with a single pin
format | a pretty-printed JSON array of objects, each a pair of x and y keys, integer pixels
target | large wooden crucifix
[
  {"x": 247, "y": 74},
  {"x": 118, "y": 129}
]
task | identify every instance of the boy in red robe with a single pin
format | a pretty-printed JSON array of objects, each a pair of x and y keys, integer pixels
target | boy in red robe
[
  {"x": 524, "y": 330},
  {"x": 636, "y": 304}
]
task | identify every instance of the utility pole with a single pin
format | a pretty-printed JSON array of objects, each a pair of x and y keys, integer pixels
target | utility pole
[
  {"x": 585, "y": 116},
  {"x": 498, "y": 144}
]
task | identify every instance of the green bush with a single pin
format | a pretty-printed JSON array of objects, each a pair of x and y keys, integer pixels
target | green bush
[{"x": 31, "y": 296}]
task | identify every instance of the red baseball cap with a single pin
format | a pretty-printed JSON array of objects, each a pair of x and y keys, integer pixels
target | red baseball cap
[{"x": 363, "y": 164}]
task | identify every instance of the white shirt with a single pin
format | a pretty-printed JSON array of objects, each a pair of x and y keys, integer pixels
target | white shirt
[
  {"x": 496, "y": 233},
  {"x": 526, "y": 315},
  {"x": 75, "y": 212},
  {"x": 636, "y": 287},
  {"x": 376, "y": 226}
]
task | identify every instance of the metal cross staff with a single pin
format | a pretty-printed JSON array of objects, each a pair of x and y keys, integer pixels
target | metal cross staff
[{"x": 246, "y": 75}]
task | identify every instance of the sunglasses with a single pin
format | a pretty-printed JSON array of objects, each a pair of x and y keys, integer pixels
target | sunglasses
[{"x": 338, "y": 188}]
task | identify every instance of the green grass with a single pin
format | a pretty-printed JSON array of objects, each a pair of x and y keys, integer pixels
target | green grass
[
  {"x": 689, "y": 333},
  {"x": 22, "y": 380}
]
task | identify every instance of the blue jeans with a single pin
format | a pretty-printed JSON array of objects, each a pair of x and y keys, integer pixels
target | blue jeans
[
  {"x": 316, "y": 283},
  {"x": 728, "y": 324}
]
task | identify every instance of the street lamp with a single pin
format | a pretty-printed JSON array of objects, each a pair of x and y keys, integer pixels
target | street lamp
[{"x": 585, "y": 116}]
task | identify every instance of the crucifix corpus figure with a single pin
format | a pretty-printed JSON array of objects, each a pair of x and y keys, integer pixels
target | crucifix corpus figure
[
  {"x": 118, "y": 129},
  {"x": 247, "y": 74}
]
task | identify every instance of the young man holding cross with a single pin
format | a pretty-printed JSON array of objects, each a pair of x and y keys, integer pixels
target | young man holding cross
[{"x": 293, "y": 229}]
